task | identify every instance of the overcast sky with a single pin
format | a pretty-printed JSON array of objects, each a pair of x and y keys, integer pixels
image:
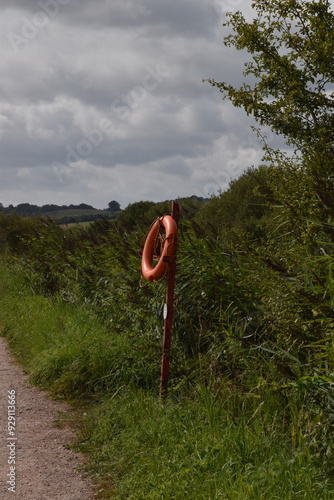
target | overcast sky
[{"x": 103, "y": 100}]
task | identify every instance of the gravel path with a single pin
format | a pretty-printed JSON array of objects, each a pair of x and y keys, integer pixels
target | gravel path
[{"x": 35, "y": 462}]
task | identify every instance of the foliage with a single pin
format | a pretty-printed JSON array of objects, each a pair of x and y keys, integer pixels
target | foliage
[
  {"x": 65, "y": 348},
  {"x": 252, "y": 355},
  {"x": 63, "y": 214},
  {"x": 238, "y": 212},
  {"x": 292, "y": 47},
  {"x": 114, "y": 206},
  {"x": 134, "y": 214}
]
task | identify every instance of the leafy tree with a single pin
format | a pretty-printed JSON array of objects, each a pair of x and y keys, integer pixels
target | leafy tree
[
  {"x": 84, "y": 206},
  {"x": 27, "y": 209},
  {"x": 135, "y": 214},
  {"x": 114, "y": 206},
  {"x": 50, "y": 208},
  {"x": 237, "y": 211},
  {"x": 291, "y": 84}
]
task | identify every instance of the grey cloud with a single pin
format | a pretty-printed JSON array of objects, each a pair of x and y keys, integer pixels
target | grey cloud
[
  {"x": 19, "y": 4},
  {"x": 87, "y": 64},
  {"x": 189, "y": 17}
]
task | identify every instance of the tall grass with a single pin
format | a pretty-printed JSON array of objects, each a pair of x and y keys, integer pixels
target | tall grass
[
  {"x": 220, "y": 439},
  {"x": 201, "y": 449},
  {"x": 250, "y": 407},
  {"x": 66, "y": 348}
]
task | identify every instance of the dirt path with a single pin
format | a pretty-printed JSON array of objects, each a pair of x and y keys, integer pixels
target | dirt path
[{"x": 35, "y": 462}]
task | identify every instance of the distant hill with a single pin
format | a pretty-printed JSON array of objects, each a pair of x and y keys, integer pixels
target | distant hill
[
  {"x": 62, "y": 214},
  {"x": 66, "y": 214}
]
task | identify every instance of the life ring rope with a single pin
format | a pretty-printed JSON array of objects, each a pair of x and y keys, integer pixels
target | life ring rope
[{"x": 152, "y": 250}]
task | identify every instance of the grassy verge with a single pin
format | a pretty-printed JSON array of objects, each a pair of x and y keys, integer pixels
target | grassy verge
[
  {"x": 215, "y": 441},
  {"x": 195, "y": 450}
]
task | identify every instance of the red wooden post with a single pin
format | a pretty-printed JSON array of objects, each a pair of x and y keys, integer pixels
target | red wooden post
[{"x": 168, "y": 311}]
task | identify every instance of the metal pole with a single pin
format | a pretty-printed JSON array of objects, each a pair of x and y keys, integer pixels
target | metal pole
[{"x": 168, "y": 311}]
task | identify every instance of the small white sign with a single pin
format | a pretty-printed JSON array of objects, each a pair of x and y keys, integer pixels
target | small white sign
[{"x": 165, "y": 311}]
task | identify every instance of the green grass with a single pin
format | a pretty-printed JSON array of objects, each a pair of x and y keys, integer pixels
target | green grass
[
  {"x": 76, "y": 224},
  {"x": 64, "y": 347},
  {"x": 178, "y": 451},
  {"x": 217, "y": 440}
]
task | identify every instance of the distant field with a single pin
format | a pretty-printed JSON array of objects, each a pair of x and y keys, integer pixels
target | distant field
[
  {"x": 79, "y": 215},
  {"x": 76, "y": 212},
  {"x": 73, "y": 224}
]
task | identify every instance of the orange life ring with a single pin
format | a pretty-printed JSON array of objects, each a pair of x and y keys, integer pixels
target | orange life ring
[{"x": 169, "y": 248}]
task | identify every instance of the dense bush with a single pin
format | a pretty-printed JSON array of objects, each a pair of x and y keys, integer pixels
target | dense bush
[{"x": 253, "y": 323}]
